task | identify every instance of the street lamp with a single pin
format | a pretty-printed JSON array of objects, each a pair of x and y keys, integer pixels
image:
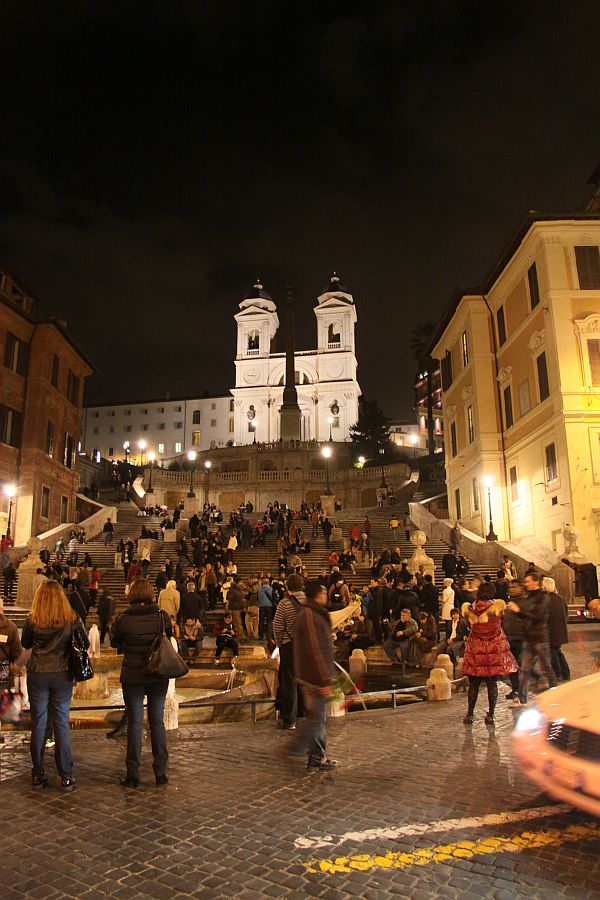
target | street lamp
[
  {"x": 382, "y": 453},
  {"x": 361, "y": 461},
  {"x": 414, "y": 440},
  {"x": 207, "y": 466},
  {"x": 10, "y": 491},
  {"x": 191, "y": 456},
  {"x": 488, "y": 482},
  {"x": 151, "y": 457},
  {"x": 326, "y": 451},
  {"x": 330, "y": 420},
  {"x": 126, "y": 449}
]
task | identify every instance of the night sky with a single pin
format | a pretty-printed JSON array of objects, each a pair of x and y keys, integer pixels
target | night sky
[{"x": 155, "y": 157}]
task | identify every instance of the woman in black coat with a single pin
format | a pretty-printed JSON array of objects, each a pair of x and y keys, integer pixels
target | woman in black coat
[{"x": 133, "y": 634}]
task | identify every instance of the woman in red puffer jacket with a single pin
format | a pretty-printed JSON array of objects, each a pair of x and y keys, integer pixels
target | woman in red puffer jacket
[{"x": 488, "y": 655}]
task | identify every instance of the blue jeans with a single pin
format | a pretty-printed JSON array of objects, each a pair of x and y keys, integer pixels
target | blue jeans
[
  {"x": 393, "y": 648},
  {"x": 50, "y": 691},
  {"x": 529, "y": 650},
  {"x": 311, "y": 736},
  {"x": 133, "y": 695}
]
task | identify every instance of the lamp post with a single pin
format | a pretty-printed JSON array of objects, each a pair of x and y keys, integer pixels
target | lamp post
[
  {"x": 126, "y": 449},
  {"x": 414, "y": 440},
  {"x": 326, "y": 451},
  {"x": 382, "y": 453},
  {"x": 488, "y": 482},
  {"x": 330, "y": 420},
  {"x": 191, "y": 456},
  {"x": 10, "y": 491},
  {"x": 151, "y": 457},
  {"x": 207, "y": 466}
]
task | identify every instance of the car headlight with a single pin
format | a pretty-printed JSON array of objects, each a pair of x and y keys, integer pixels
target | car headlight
[{"x": 531, "y": 720}]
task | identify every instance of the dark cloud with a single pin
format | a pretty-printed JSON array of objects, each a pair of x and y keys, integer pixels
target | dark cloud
[{"x": 157, "y": 157}]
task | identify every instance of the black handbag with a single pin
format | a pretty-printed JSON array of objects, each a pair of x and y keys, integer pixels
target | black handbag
[
  {"x": 81, "y": 667},
  {"x": 163, "y": 658}
]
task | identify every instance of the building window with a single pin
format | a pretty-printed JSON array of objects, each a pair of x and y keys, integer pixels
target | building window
[
  {"x": 464, "y": 343},
  {"x": 231, "y": 405},
  {"x": 145, "y": 426},
  {"x": 73, "y": 388},
  {"x": 64, "y": 509},
  {"x": 69, "y": 454},
  {"x": 593, "y": 350},
  {"x": 111, "y": 430},
  {"x": 213, "y": 423},
  {"x": 514, "y": 484},
  {"x": 178, "y": 425},
  {"x": 213, "y": 405},
  {"x": 457, "y": 503},
  {"x": 253, "y": 341},
  {"x": 588, "y": 268},
  {"x": 111, "y": 413},
  {"x": 195, "y": 438},
  {"x": 177, "y": 446},
  {"x": 508, "y": 407},
  {"x": 524, "y": 399},
  {"x": 160, "y": 409},
  {"x": 334, "y": 335},
  {"x": 196, "y": 417},
  {"x": 11, "y": 425},
  {"x": 501, "y": 323},
  {"x": 161, "y": 426},
  {"x": 176, "y": 409},
  {"x": 126, "y": 412},
  {"x": 475, "y": 493},
  {"x": 127, "y": 429},
  {"x": 551, "y": 466},
  {"x": 50, "y": 438},
  {"x": 542, "y": 372},
  {"x": 55, "y": 370},
  {"x": 16, "y": 355},
  {"x": 96, "y": 455},
  {"x": 143, "y": 412},
  {"x": 161, "y": 448},
  {"x": 336, "y": 422},
  {"x": 447, "y": 370},
  {"x": 470, "y": 425},
  {"x": 111, "y": 451},
  {"x": 534, "y": 288},
  {"x": 96, "y": 430},
  {"x": 453, "y": 439},
  {"x": 45, "y": 504},
  {"x": 231, "y": 426}
]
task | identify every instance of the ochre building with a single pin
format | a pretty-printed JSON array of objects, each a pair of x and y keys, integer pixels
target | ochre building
[
  {"x": 41, "y": 391},
  {"x": 520, "y": 364}
]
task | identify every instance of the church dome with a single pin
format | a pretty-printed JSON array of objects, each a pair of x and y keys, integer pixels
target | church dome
[
  {"x": 257, "y": 292},
  {"x": 258, "y": 297},
  {"x": 336, "y": 284}
]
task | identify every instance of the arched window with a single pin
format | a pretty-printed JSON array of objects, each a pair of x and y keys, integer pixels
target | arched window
[
  {"x": 334, "y": 333},
  {"x": 253, "y": 340},
  {"x": 299, "y": 378}
]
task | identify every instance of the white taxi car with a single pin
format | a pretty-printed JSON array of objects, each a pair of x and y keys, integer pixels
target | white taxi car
[{"x": 557, "y": 742}]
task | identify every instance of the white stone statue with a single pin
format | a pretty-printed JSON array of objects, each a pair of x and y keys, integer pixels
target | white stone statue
[{"x": 419, "y": 557}]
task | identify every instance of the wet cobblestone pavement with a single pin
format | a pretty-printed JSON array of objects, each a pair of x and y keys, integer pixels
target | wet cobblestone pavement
[{"x": 420, "y": 807}]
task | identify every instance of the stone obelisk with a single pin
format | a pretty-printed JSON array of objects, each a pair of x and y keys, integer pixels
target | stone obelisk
[{"x": 289, "y": 412}]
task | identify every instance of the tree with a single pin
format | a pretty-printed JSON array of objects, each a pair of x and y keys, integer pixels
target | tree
[
  {"x": 370, "y": 434},
  {"x": 419, "y": 344}
]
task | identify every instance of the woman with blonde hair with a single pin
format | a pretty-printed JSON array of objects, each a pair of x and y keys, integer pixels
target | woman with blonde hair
[{"x": 48, "y": 633}]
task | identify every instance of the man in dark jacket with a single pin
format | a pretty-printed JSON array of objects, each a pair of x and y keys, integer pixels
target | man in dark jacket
[
  {"x": 449, "y": 564},
  {"x": 106, "y": 613},
  {"x": 409, "y": 600},
  {"x": 557, "y": 630},
  {"x": 190, "y": 608},
  {"x": 315, "y": 672},
  {"x": 430, "y": 598},
  {"x": 535, "y": 613},
  {"x": 399, "y": 642},
  {"x": 375, "y": 610}
]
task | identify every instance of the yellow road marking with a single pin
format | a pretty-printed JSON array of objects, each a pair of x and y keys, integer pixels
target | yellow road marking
[{"x": 526, "y": 840}]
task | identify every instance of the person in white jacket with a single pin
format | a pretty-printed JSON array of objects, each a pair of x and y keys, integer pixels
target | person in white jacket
[{"x": 447, "y": 605}]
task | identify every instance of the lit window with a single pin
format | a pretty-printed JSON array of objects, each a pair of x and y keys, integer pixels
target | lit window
[
  {"x": 470, "y": 425},
  {"x": 231, "y": 426},
  {"x": 475, "y": 489},
  {"x": 177, "y": 446},
  {"x": 514, "y": 484},
  {"x": 196, "y": 438},
  {"x": 465, "y": 349},
  {"x": 161, "y": 448}
]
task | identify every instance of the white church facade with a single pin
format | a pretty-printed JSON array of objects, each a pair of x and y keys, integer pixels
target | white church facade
[{"x": 326, "y": 382}]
